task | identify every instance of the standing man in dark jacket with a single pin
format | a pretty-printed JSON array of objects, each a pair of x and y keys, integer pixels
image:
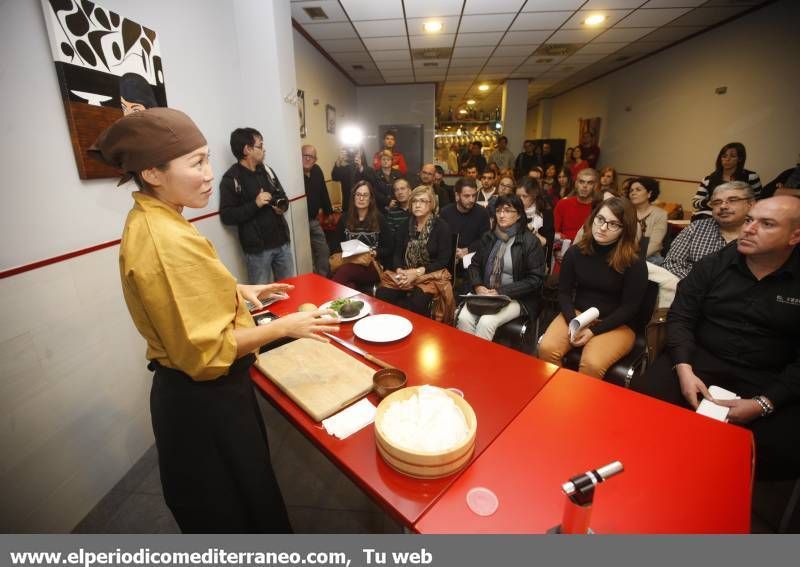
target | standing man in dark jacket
[
  {"x": 317, "y": 199},
  {"x": 252, "y": 198}
]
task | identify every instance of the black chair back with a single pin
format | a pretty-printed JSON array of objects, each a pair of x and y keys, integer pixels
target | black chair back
[{"x": 646, "y": 309}]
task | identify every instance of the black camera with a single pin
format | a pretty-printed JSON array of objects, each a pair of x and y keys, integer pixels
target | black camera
[{"x": 281, "y": 203}]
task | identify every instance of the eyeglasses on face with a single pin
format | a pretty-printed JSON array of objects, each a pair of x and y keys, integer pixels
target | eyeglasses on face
[
  {"x": 309, "y": 156},
  {"x": 611, "y": 225},
  {"x": 420, "y": 201},
  {"x": 729, "y": 201},
  {"x": 362, "y": 195},
  {"x": 507, "y": 186},
  {"x": 506, "y": 211}
]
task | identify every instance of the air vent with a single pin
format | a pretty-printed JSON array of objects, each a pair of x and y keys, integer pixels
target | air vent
[
  {"x": 358, "y": 67},
  {"x": 432, "y": 53},
  {"x": 316, "y": 13},
  {"x": 558, "y": 49},
  {"x": 430, "y": 64}
]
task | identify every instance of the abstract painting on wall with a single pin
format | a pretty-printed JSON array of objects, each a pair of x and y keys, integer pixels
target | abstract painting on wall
[{"x": 106, "y": 64}]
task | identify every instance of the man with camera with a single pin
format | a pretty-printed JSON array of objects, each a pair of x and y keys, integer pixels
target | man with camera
[{"x": 252, "y": 198}]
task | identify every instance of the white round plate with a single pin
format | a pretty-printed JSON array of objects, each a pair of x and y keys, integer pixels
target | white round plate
[
  {"x": 382, "y": 328},
  {"x": 365, "y": 310}
]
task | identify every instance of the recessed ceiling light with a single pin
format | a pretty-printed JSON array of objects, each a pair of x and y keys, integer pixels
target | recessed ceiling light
[
  {"x": 594, "y": 20},
  {"x": 432, "y": 27},
  {"x": 462, "y": 111},
  {"x": 483, "y": 88},
  {"x": 471, "y": 101}
]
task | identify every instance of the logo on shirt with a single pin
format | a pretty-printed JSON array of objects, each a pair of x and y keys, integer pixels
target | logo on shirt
[{"x": 788, "y": 300}]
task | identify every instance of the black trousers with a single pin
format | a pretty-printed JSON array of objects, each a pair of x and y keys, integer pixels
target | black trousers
[
  {"x": 415, "y": 300},
  {"x": 213, "y": 453},
  {"x": 777, "y": 437}
]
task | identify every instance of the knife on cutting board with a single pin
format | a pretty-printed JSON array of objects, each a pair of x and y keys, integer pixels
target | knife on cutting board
[{"x": 359, "y": 351}]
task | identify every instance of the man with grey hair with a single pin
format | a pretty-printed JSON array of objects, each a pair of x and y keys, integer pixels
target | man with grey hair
[
  {"x": 730, "y": 203},
  {"x": 317, "y": 199}
]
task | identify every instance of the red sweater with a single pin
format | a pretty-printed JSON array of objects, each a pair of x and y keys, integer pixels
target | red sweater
[
  {"x": 569, "y": 216},
  {"x": 398, "y": 162}
]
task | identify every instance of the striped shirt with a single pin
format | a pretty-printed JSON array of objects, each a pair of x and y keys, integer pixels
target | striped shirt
[
  {"x": 697, "y": 240},
  {"x": 706, "y": 188}
]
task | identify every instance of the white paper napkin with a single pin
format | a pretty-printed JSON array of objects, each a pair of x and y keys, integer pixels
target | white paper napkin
[
  {"x": 467, "y": 260},
  {"x": 343, "y": 424},
  {"x": 353, "y": 247},
  {"x": 582, "y": 321}
]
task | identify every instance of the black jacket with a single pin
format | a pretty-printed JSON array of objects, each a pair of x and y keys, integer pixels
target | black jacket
[
  {"x": 316, "y": 192},
  {"x": 383, "y": 186},
  {"x": 527, "y": 257},
  {"x": 440, "y": 246},
  {"x": 259, "y": 228}
]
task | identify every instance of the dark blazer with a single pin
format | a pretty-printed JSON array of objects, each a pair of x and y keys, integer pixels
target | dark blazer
[
  {"x": 527, "y": 257},
  {"x": 440, "y": 246}
]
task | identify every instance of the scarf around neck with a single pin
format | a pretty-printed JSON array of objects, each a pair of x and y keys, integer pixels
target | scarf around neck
[
  {"x": 417, "y": 250},
  {"x": 494, "y": 263}
]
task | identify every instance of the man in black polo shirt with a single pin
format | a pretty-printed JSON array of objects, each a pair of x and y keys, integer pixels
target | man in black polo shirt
[
  {"x": 252, "y": 198},
  {"x": 735, "y": 324},
  {"x": 464, "y": 218},
  {"x": 316, "y": 198}
]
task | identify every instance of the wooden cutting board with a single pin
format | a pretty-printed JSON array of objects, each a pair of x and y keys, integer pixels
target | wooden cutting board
[{"x": 319, "y": 377}]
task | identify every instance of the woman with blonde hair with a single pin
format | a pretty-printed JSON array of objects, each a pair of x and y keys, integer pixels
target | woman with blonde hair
[{"x": 603, "y": 270}]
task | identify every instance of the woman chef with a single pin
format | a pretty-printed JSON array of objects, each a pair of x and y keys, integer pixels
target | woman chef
[{"x": 212, "y": 446}]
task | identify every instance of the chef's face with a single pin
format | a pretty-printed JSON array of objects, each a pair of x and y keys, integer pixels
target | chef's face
[{"x": 186, "y": 182}]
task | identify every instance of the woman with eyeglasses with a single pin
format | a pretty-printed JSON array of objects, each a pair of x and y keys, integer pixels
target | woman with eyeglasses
[
  {"x": 603, "y": 270},
  {"x": 423, "y": 250},
  {"x": 652, "y": 220},
  {"x": 363, "y": 222},
  {"x": 728, "y": 167},
  {"x": 506, "y": 186},
  {"x": 509, "y": 261}
]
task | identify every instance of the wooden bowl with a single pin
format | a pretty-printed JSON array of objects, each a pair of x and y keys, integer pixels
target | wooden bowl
[
  {"x": 423, "y": 464},
  {"x": 388, "y": 380}
]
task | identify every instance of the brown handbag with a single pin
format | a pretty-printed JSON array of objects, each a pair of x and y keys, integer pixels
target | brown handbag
[{"x": 336, "y": 260}]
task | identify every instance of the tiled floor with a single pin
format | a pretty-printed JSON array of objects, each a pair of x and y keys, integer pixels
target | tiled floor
[{"x": 320, "y": 499}]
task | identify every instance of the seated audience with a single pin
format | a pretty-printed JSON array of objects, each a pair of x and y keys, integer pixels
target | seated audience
[
  {"x": 789, "y": 178},
  {"x": 398, "y": 159},
  {"x": 526, "y": 159},
  {"x": 730, "y": 203},
  {"x": 475, "y": 157},
  {"x": 734, "y": 324},
  {"x": 363, "y": 222},
  {"x": 547, "y": 158},
  {"x": 569, "y": 157},
  {"x": 487, "y": 187},
  {"x": 579, "y": 163},
  {"x": 382, "y": 179},
  {"x": 472, "y": 173},
  {"x": 549, "y": 178},
  {"x": 399, "y": 209},
  {"x": 642, "y": 192},
  {"x": 509, "y": 261},
  {"x": 608, "y": 183},
  {"x": 729, "y": 167},
  {"x": 505, "y": 186},
  {"x": 536, "y": 173},
  {"x": 427, "y": 177},
  {"x": 563, "y": 186},
  {"x": 422, "y": 251},
  {"x": 571, "y": 212},
  {"x": 538, "y": 212},
  {"x": 464, "y": 218},
  {"x": 602, "y": 270},
  {"x": 440, "y": 186},
  {"x": 502, "y": 156}
]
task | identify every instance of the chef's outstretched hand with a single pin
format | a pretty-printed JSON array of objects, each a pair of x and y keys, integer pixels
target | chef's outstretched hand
[
  {"x": 255, "y": 294},
  {"x": 307, "y": 324}
]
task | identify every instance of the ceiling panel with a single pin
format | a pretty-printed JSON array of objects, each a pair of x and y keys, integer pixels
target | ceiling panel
[
  {"x": 399, "y": 79},
  {"x": 392, "y": 65},
  {"x": 440, "y": 63},
  {"x": 708, "y": 16},
  {"x": 509, "y": 50},
  {"x": 615, "y": 35},
  {"x": 512, "y": 61},
  {"x": 427, "y": 8},
  {"x": 604, "y": 48},
  {"x": 392, "y": 55},
  {"x": 672, "y": 33},
  {"x": 352, "y": 57},
  {"x": 611, "y": 4},
  {"x": 457, "y": 62},
  {"x": 384, "y": 43},
  {"x": 472, "y": 51},
  {"x": 426, "y": 41},
  {"x": 612, "y": 17},
  {"x": 460, "y": 76},
  {"x": 674, "y": 3},
  {"x": 338, "y": 30},
  {"x": 492, "y": 6},
  {"x": 540, "y": 20},
  {"x": 651, "y": 18},
  {"x": 330, "y": 7},
  {"x": 525, "y": 37},
  {"x": 371, "y": 10},
  {"x": 574, "y": 36},
  {"x": 551, "y": 5},
  {"x": 381, "y": 28},
  {"x": 339, "y": 45},
  {"x": 482, "y": 38},
  {"x": 486, "y": 22}
]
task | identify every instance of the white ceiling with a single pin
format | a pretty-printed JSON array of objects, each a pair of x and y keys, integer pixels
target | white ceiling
[{"x": 494, "y": 40}]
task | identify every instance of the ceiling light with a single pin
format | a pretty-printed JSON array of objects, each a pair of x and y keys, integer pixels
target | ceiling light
[
  {"x": 462, "y": 111},
  {"x": 471, "y": 101},
  {"x": 594, "y": 20},
  {"x": 483, "y": 88},
  {"x": 432, "y": 27}
]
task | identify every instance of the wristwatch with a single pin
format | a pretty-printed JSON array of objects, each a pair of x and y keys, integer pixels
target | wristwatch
[
  {"x": 766, "y": 405},
  {"x": 420, "y": 271}
]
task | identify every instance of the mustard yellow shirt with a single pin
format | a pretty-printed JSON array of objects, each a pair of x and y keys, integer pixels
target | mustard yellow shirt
[{"x": 182, "y": 299}]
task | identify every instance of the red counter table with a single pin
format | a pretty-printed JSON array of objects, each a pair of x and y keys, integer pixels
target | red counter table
[
  {"x": 684, "y": 473},
  {"x": 498, "y": 382}
]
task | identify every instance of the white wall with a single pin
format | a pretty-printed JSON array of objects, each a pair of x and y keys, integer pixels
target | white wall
[
  {"x": 397, "y": 104},
  {"x": 74, "y": 412},
  {"x": 322, "y": 81},
  {"x": 677, "y": 124}
]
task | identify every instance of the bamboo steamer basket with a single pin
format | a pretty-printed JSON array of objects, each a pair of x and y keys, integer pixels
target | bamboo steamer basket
[{"x": 423, "y": 464}]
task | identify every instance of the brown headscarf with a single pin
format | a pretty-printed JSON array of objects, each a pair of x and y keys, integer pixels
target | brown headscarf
[{"x": 147, "y": 139}]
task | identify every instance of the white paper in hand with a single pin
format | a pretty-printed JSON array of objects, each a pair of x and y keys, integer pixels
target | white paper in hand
[
  {"x": 582, "y": 321},
  {"x": 467, "y": 259},
  {"x": 712, "y": 410},
  {"x": 353, "y": 247},
  {"x": 343, "y": 424}
]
